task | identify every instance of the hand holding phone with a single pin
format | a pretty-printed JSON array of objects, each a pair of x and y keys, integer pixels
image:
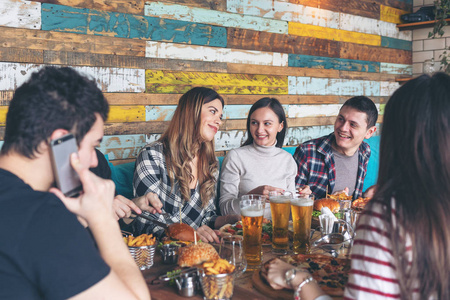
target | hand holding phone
[{"x": 67, "y": 180}]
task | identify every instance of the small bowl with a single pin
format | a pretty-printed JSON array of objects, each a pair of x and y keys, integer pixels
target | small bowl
[
  {"x": 143, "y": 256},
  {"x": 216, "y": 287},
  {"x": 169, "y": 253},
  {"x": 332, "y": 241}
]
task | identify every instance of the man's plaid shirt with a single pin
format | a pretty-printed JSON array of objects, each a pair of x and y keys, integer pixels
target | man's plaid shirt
[
  {"x": 151, "y": 175},
  {"x": 316, "y": 167}
]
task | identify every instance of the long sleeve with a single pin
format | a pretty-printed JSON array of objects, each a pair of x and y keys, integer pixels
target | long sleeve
[
  {"x": 229, "y": 185},
  {"x": 301, "y": 159}
]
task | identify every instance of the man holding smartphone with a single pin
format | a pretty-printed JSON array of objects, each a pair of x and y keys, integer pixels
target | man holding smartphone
[{"x": 45, "y": 253}]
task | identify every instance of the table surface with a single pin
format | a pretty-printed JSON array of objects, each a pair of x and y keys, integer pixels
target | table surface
[{"x": 243, "y": 288}]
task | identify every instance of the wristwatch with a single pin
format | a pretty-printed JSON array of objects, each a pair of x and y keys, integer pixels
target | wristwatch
[{"x": 289, "y": 276}]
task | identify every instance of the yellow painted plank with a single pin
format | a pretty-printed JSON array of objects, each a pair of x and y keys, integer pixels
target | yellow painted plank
[
  {"x": 126, "y": 113},
  {"x": 165, "y": 82},
  {"x": 3, "y": 111},
  {"x": 390, "y": 14},
  {"x": 334, "y": 34}
]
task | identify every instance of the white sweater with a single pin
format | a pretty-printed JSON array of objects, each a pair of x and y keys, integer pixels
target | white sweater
[{"x": 251, "y": 166}]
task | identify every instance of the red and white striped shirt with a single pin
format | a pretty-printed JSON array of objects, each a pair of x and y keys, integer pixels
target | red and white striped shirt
[{"x": 373, "y": 267}]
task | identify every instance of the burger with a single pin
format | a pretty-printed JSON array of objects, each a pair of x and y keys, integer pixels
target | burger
[
  {"x": 195, "y": 254},
  {"x": 180, "y": 234},
  {"x": 333, "y": 205}
]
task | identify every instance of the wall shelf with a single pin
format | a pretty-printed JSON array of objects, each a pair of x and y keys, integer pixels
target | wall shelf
[
  {"x": 402, "y": 80},
  {"x": 417, "y": 25}
]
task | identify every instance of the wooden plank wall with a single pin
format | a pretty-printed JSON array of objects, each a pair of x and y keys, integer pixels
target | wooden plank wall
[{"x": 310, "y": 54}]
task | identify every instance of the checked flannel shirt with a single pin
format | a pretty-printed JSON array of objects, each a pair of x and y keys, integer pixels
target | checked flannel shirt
[
  {"x": 316, "y": 167},
  {"x": 151, "y": 175}
]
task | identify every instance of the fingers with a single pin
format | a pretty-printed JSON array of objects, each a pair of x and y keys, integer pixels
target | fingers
[
  {"x": 207, "y": 235},
  {"x": 154, "y": 201},
  {"x": 128, "y": 205},
  {"x": 304, "y": 190}
]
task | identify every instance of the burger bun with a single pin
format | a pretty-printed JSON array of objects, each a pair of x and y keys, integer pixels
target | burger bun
[
  {"x": 333, "y": 205},
  {"x": 195, "y": 254}
]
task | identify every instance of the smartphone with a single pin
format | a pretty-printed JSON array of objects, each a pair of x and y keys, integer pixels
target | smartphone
[{"x": 66, "y": 178}]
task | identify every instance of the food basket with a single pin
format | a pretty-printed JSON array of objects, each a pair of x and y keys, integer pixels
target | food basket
[
  {"x": 143, "y": 256},
  {"x": 216, "y": 287}
]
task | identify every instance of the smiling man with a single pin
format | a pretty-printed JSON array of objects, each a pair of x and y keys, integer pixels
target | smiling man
[{"x": 339, "y": 160}]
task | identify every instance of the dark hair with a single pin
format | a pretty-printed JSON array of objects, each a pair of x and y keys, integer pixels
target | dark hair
[
  {"x": 53, "y": 98},
  {"x": 277, "y": 108},
  {"x": 415, "y": 170},
  {"x": 365, "y": 105}
]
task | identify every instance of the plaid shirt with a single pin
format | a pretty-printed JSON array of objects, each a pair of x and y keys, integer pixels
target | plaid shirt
[
  {"x": 151, "y": 175},
  {"x": 316, "y": 166}
]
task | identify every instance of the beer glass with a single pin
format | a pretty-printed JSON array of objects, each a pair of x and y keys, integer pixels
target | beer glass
[
  {"x": 252, "y": 211},
  {"x": 301, "y": 208},
  {"x": 280, "y": 207}
]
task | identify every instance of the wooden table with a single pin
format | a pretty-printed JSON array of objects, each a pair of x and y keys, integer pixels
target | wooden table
[{"x": 243, "y": 288}]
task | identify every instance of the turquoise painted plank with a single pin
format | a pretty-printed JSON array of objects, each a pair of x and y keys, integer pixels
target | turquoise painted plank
[
  {"x": 208, "y": 16},
  {"x": 400, "y": 69},
  {"x": 395, "y": 43},
  {"x": 89, "y": 21},
  {"x": 320, "y": 62},
  {"x": 1, "y": 144},
  {"x": 332, "y": 86}
]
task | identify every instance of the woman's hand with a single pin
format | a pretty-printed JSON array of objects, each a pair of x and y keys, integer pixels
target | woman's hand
[
  {"x": 304, "y": 190},
  {"x": 207, "y": 235},
  {"x": 264, "y": 190},
  {"x": 149, "y": 202}
]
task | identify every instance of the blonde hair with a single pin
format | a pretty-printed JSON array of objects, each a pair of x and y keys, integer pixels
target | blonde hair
[{"x": 182, "y": 143}]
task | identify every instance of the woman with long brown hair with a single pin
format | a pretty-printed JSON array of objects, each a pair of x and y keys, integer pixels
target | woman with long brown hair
[{"x": 180, "y": 170}]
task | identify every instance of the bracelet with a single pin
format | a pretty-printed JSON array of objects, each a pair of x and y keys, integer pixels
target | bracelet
[{"x": 299, "y": 288}]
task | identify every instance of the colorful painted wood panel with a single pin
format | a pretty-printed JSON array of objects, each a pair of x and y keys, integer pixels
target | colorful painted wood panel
[
  {"x": 214, "y": 54},
  {"x": 312, "y": 55},
  {"x": 87, "y": 21},
  {"x": 202, "y": 15},
  {"x": 181, "y": 82}
]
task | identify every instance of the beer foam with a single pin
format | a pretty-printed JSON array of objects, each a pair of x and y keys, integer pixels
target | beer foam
[
  {"x": 280, "y": 199},
  {"x": 252, "y": 211},
  {"x": 302, "y": 202}
]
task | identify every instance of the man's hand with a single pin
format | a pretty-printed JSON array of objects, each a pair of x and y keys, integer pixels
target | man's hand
[
  {"x": 95, "y": 203},
  {"x": 370, "y": 191},
  {"x": 149, "y": 202},
  {"x": 123, "y": 207},
  {"x": 264, "y": 190},
  {"x": 207, "y": 235}
]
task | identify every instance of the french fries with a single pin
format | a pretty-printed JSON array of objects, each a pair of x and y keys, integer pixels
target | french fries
[
  {"x": 218, "y": 288},
  {"x": 139, "y": 241},
  {"x": 220, "y": 266},
  {"x": 341, "y": 196}
]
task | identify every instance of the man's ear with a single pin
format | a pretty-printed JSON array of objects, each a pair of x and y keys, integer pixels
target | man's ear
[
  {"x": 370, "y": 132},
  {"x": 58, "y": 133}
]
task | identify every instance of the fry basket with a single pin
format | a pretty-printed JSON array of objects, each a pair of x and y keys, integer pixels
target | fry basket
[
  {"x": 143, "y": 256},
  {"x": 216, "y": 287}
]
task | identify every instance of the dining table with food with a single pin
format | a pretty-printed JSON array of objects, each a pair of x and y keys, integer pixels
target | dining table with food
[{"x": 312, "y": 235}]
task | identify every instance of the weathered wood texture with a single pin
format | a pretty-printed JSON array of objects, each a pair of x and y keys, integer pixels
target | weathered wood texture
[
  {"x": 312, "y": 55},
  {"x": 123, "y": 6}
]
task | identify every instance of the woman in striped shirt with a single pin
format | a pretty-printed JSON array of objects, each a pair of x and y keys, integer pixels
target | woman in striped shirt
[{"x": 402, "y": 244}]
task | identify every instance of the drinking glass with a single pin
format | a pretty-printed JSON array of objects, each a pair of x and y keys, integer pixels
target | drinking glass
[
  {"x": 232, "y": 250},
  {"x": 302, "y": 207},
  {"x": 252, "y": 211},
  {"x": 280, "y": 207}
]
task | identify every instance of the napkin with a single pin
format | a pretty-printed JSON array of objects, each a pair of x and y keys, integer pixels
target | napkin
[{"x": 327, "y": 219}]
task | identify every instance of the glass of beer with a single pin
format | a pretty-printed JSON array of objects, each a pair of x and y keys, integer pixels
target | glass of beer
[
  {"x": 301, "y": 208},
  {"x": 280, "y": 207},
  {"x": 252, "y": 211}
]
